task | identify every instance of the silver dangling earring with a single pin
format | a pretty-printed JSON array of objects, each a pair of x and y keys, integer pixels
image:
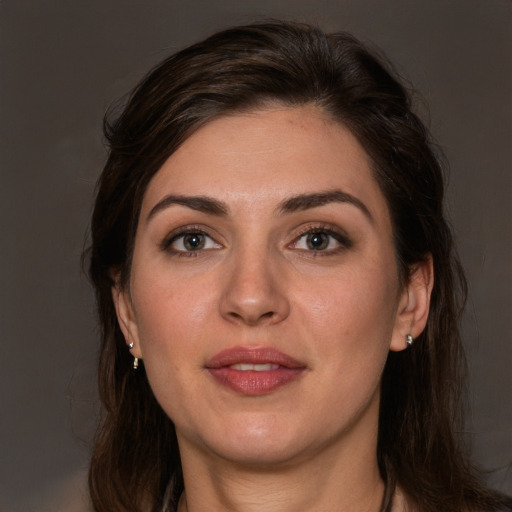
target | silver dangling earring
[
  {"x": 409, "y": 340},
  {"x": 135, "y": 359}
]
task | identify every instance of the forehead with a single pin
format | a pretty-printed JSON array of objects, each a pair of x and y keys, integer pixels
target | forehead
[{"x": 261, "y": 157}]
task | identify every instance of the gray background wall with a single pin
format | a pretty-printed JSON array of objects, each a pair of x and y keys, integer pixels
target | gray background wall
[{"x": 62, "y": 64}]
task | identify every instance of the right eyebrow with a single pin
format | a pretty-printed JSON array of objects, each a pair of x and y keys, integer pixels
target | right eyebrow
[{"x": 199, "y": 203}]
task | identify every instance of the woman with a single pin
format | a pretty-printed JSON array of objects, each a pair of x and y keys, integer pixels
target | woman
[{"x": 277, "y": 289}]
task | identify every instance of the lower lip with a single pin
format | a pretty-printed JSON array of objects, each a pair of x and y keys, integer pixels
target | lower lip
[{"x": 254, "y": 383}]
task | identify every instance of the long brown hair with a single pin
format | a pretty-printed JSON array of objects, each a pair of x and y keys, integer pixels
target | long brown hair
[{"x": 136, "y": 466}]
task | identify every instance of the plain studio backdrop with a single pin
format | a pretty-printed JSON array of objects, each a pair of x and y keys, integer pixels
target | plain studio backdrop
[{"x": 64, "y": 62}]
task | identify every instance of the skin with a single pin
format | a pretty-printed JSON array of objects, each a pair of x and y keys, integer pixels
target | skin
[{"x": 309, "y": 445}]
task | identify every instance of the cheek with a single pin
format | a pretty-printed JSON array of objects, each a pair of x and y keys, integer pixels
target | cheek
[
  {"x": 170, "y": 307},
  {"x": 172, "y": 318},
  {"x": 350, "y": 324},
  {"x": 356, "y": 307}
]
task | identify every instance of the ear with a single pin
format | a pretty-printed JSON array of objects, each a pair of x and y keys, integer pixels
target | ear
[
  {"x": 414, "y": 304},
  {"x": 126, "y": 316}
]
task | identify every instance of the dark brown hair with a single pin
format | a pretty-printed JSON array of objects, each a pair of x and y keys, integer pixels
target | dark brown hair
[{"x": 135, "y": 465}]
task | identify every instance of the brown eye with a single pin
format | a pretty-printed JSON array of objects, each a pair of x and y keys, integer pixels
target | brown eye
[
  {"x": 191, "y": 241},
  {"x": 322, "y": 240},
  {"x": 194, "y": 241},
  {"x": 317, "y": 241}
]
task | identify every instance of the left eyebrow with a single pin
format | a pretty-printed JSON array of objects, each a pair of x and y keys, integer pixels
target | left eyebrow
[{"x": 314, "y": 200}]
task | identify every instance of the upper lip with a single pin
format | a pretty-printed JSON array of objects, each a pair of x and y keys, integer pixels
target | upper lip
[{"x": 243, "y": 355}]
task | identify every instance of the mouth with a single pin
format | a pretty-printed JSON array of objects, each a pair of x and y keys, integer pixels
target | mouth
[{"x": 254, "y": 372}]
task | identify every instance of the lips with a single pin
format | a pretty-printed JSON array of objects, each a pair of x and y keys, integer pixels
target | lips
[{"x": 254, "y": 371}]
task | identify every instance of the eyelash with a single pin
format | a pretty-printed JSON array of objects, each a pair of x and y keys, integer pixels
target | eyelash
[
  {"x": 341, "y": 238},
  {"x": 166, "y": 244}
]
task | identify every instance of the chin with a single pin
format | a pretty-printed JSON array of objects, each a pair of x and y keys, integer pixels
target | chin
[
  {"x": 274, "y": 451},
  {"x": 254, "y": 440}
]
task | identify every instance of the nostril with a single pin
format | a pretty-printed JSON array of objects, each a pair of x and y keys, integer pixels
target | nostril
[{"x": 252, "y": 319}]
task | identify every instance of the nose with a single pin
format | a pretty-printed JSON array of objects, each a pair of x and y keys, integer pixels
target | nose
[{"x": 254, "y": 290}]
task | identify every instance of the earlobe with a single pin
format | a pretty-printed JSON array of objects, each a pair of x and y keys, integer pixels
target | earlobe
[
  {"x": 126, "y": 318},
  {"x": 414, "y": 305}
]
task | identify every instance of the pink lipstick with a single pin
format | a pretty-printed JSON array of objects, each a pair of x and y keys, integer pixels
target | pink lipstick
[{"x": 254, "y": 371}]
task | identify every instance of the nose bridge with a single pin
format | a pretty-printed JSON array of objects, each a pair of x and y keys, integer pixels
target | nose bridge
[{"x": 254, "y": 289}]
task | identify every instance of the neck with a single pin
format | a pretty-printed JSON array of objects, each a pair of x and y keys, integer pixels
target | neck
[{"x": 272, "y": 492}]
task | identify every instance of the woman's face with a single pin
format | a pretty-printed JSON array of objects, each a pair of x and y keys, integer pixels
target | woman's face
[{"x": 264, "y": 295}]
